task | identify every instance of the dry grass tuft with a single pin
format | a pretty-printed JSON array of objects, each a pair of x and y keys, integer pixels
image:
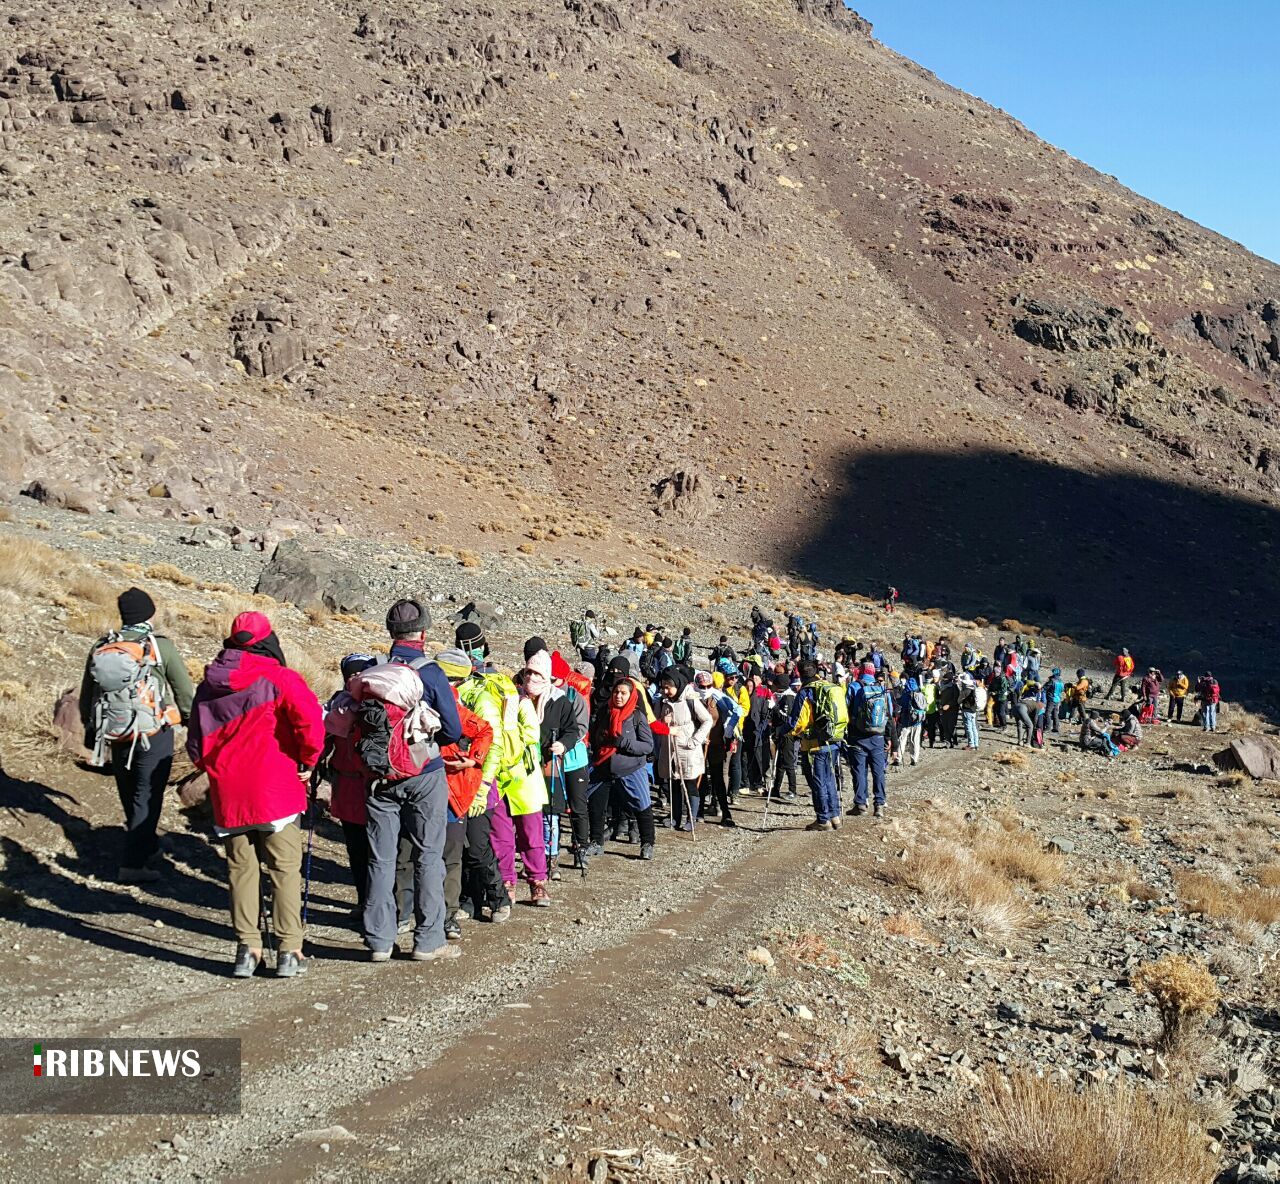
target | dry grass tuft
[
  {"x": 1185, "y": 993},
  {"x": 1013, "y": 759},
  {"x": 26, "y": 566},
  {"x": 906, "y": 925},
  {"x": 167, "y": 573},
  {"x": 945, "y": 871},
  {"x": 322, "y": 677},
  {"x": 1227, "y": 900},
  {"x": 1019, "y": 855},
  {"x": 1235, "y": 778},
  {"x": 1034, "y": 1130}
]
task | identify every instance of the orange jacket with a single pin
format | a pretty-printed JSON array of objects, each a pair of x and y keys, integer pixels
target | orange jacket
[{"x": 1124, "y": 665}]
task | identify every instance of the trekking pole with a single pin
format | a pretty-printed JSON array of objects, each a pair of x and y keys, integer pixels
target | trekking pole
[
  {"x": 311, "y": 834},
  {"x": 684, "y": 789}
]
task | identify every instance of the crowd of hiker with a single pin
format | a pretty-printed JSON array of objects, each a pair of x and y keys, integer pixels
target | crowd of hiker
[{"x": 453, "y": 780}]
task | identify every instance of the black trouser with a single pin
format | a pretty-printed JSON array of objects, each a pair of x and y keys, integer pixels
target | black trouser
[
  {"x": 931, "y": 728},
  {"x": 141, "y": 788},
  {"x": 1175, "y": 708},
  {"x": 481, "y": 880},
  {"x": 786, "y": 764},
  {"x": 735, "y": 773},
  {"x": 356, "y": 837},
  {"x": 455, "y": 842},
  {"x": 714, "y": 784},
  {"x": 357, "y": 840},
  {"x": 644, "y": 820},
  {"x": 1051, "y": 716},
  {"x": 576, "y": 788},
  {"x": 598, "y": 809},
  {"x": 947, "y": 720},
  {"x": 757, "y": 759}
]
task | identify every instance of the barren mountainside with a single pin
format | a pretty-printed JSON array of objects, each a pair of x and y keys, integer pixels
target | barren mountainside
[{"x": 734, "y": 272}]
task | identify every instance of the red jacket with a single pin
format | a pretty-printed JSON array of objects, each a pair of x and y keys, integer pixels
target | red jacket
[
  {"x": 477, "y": 738},
  {"x": 253, "y": 723},
  {"x": 1124, "y": 665},
  {"x": 350, "y": 778}
]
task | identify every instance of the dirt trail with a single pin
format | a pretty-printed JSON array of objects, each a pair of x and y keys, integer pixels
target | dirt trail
[{"x": 453, "y": 1067}]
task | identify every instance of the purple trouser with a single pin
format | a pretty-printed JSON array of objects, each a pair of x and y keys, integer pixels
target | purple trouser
[{"x": 522, "y": 832}]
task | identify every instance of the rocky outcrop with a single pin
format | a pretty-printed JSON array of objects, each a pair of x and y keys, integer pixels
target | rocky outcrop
[
  {"x": 1259, "y": 756},
  {"x": 684, "y": 496},
  {"x": 312, "y": 579},
  {"x": 1250, "y": 335}
]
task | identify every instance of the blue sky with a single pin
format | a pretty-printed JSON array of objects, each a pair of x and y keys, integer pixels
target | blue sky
[{"x": 1177, "y": 100}]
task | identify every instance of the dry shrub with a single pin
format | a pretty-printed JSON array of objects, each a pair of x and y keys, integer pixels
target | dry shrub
[
  {"x": 26, "y": 724},
  {"x": 322, "y": 677},
  {"x": 1035, "y": 1130},
  {"x": 946, "y": 872},
  {"x": 6, "y": 514},
  {"x": 1268, "y": 876},
  {"x": 1140, "y": 890},
  {"x": 1226, "y": 900},
  {"x": 169, "y": 574},
  {"x": 1014, "y": 759},
  {"x": 905, "y": 925},
  {"x": 1236, "y": 777},
  {"x": 92, "y": 620},
  {"x": 25, "y": 566},
  {"x": 1019, "y": 855},
  {"x": 91, "y": 588},
  {"x": 468, "y": 559},
  {"x": 1131, "y": 830},
  {"x": 1185, "y": 994}
]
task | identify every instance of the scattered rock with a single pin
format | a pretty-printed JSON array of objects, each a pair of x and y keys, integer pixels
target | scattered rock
[{"x": 313, "y": 578}]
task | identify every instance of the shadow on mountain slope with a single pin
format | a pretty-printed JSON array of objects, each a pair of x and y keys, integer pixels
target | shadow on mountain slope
[{"x": 1108, "y": 558}]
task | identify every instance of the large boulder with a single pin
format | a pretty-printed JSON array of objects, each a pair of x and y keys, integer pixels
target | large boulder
[
  {"x": 313, "y": 579},
  {"x": 483, "y": 612},
  {"x": 1259, "y": 756}
]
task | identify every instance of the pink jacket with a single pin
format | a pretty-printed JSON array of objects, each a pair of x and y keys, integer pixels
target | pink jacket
[{"x": 253, "y": 723}]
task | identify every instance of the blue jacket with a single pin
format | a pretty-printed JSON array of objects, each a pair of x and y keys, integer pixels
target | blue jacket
[{"x": 436, "y": 694}]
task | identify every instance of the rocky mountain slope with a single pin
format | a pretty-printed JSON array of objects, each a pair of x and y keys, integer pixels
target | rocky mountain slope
[{"x": 734, "y": 272}]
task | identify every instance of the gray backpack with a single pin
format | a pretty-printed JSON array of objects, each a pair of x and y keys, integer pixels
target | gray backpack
[{"x": 130, "y": 704}]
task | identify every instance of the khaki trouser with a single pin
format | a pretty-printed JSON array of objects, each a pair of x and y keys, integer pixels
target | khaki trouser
[{"x": 280, "y": 854}]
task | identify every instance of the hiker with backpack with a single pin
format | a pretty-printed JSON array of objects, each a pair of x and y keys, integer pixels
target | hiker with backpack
[
  {"x": 134, "y": 692},
  {"x": 256, "y": 730},
  {"x": 403, "y": 722},
  {"x": 1055, "y": 691},
  {"x": 929, "y": 689},
  {"x": 1210, "y": 695},
  {"x": 948, "y": 709},
  {"x": 562, "y": 721},
  {"x": 725, "y": 713},
  {"x": 682, "y": 648},
  {"x": 785, "y": 745},
  {"x": 911, "y": 707},
  {"x": 576, "y": 685},
  {"x": 1149, "y": 694},
  {"x": 795, "y": 635},
  {"x": 622, "y": 745},
  {"x": 584, "y": 634},
  {"x": 1178, "y": 687},
  {"x": 1078, "y": 696},
  {"x": 679, "y": 752},
  {"x": 522, "y": 788},
  {"x": 463, "y": 765},
  {"x": 869, "y": 708},
  {"x": 972, "y": 701},
  {"x": 491, "y": 696},
  {"x": 1120, "y": 679},
  {"x": 819, "y": 720}
]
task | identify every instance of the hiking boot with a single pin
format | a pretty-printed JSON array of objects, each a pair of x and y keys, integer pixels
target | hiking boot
[
  {"x": 816, "y": 825},
  {"x": 137, "y": 875},
  {"x": 633, "y": 831},
  {"x": 837, "y": 822},
  {"x": 686, "y": 825},
  {"x": 460, "y": 915},
  {"x": 501, "y": 914},
  {"x": 646, "y": 850},
  {"x": 445, "y": 951},
  {"x": 289, "y": 964},
  {"x": 727, "y": 820},
  {"x": 538, "y": 894},
  {"x": 619, "y": 836},
  {"x": 553, "y": 869},
  {"x": 858, "y": 810},
  {"x": 593, "y": 848},
  {"x": 379, "y": 955},
  {"x": 878, "y": 812},
  {"x": 452, "y": 930},
  {"x": 246, "y": 962},
  {"x": 405, "y": 926}
]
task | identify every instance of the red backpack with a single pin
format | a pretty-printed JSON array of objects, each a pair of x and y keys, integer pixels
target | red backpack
[{"x": 395, "y": 729}]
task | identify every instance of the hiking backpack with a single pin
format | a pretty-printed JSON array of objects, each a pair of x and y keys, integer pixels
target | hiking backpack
[
  {"x": 830, "y": 712},
  {"x": 395, "y": 729},
  {"x": 682, "y": 649},
  {"x": 130, "y": 698},
  {"x": 873, "y": 710},
  {"x": 578, "y": 633},
  {"x": 913, "y": 710}
]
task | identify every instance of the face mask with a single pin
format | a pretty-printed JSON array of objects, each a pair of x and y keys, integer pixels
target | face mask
[{"x": 535, "y": 684}]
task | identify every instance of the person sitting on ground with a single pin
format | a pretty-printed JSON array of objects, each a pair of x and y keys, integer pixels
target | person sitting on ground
[
  {"x": 134, "y": 692},
  {"x": 257, "y": 731},
  {"x": 1129, "y": 735}
]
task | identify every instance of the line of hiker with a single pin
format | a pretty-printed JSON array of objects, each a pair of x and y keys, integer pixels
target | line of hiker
[{"x": 451, "y": 780}]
